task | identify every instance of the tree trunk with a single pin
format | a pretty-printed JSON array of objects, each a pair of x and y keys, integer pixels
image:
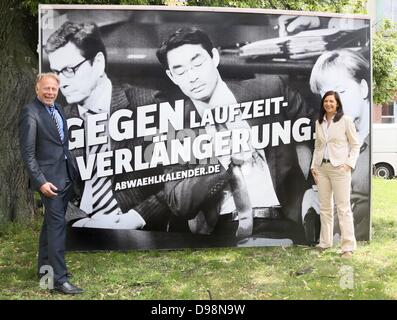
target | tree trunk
[{"x": 17, "y": 73}]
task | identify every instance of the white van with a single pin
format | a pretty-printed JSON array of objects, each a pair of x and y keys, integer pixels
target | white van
[{"x": 384, "y": 149}]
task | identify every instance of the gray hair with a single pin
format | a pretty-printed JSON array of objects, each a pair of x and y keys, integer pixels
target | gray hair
[{"x": 52, "y": 75}]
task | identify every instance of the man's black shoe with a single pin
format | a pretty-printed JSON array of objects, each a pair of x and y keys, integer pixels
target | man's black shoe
[{"x": 68, "y": 288}]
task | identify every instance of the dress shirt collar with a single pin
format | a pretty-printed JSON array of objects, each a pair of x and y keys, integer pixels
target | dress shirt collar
[
  {"x": 45, "y": 105},
  {"x": 325, "y": 118},
  {"x": 222, "y": 96}
]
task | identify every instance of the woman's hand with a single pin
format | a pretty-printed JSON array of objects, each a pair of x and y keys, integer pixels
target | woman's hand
[
  {"x": 345, "y": 168},
  {"x": 314, "y": 174}
]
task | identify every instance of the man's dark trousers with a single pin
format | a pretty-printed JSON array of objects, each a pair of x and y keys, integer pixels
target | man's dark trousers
[{"x": 53, "y": 232}]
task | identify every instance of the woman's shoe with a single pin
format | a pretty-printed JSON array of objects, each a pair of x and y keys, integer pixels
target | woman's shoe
[
  {"x": 320, "y": 249},
  {"x": 347, "y": 255}
]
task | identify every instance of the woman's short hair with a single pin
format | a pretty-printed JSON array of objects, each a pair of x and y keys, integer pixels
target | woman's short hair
[{"x": 354, "y": 63}]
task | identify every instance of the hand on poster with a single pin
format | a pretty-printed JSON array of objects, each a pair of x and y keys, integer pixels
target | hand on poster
[
  {"x": 345, "y": 23},
  {"x": 130, "y": 220},
  {"x": 238, "y": 159},
  {"x": 288, "y": 25},
  {"x": 310, "y": 200}
]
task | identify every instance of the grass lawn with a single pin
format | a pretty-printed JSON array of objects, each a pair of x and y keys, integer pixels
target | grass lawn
[{"x": 255, "y": 273}]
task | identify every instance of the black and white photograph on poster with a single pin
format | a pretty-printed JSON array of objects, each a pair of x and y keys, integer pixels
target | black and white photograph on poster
[{"x": 194, "y": 127}]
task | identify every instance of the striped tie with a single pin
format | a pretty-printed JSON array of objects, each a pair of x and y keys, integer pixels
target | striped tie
[
  {"x": 57, "y": 124},
  {"x": 102, "y": 197}
]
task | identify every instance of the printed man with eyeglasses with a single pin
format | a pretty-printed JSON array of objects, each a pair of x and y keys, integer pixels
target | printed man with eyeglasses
[
  {"x": 257, "y": 195},
  {"x": 76, "y": 52}
]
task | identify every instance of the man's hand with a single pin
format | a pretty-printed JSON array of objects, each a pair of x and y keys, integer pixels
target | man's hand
[
  {"x": 47, "y": 189},
  {"x": 131, "y": 220},
  {"x": 292, "y": 24},
  {"x": 310, "y": 200}
]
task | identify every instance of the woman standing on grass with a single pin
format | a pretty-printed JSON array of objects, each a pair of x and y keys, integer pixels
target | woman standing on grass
[
  {"x": 347, "y": 72},
  {"x": 335, "y": 154}
]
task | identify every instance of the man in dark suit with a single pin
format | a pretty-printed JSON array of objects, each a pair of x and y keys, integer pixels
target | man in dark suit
[
  {"x": 77, "y": 53},
  {"x": 45, "y": 153},
  {"x": 274, "y": 182}
]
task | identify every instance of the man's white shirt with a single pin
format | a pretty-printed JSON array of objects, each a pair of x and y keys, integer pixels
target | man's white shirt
[
  {"x": 256, "y": 173},
  {"x": 100, "y": 102}
]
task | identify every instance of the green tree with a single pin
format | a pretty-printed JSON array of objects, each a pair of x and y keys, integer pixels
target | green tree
[
  {"x": 18, "y": 65},
  {"x": 338, "y": 6},
  {"x": 33, "y": 5},
  {"x": 384, "y": 60}
]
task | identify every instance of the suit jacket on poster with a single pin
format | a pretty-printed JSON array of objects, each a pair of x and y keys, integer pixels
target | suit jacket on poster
[
  {"x": 148, "y": 201},
  {"x": 342, "y": 142},
  {"x": 189, "y": 197},
  {"x": 42, "y": 150}
]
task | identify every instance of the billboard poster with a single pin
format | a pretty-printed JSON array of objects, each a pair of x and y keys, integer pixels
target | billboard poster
[{"x": 194, "y": 127}]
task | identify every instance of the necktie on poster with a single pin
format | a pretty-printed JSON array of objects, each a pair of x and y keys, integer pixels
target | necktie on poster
[
  {"x": 243, "y": 204},
  {"x": 98, "y": 197}
]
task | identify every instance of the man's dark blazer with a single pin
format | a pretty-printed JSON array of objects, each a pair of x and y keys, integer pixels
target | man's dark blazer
[
  {"x": 42, "y": 150},
  {"x": 189, "y": 197},
  {"x": 148, "y": 201}
]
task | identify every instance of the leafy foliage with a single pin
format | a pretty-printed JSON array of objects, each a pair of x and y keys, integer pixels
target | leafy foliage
[
  {"x": 339, "y": 6},
  {"x": 33, "y": 5},
  {"x": 384, "y": 62}
]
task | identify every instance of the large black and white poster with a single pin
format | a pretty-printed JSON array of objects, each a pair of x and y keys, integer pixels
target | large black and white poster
[{"x": 193, "y": 127}]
